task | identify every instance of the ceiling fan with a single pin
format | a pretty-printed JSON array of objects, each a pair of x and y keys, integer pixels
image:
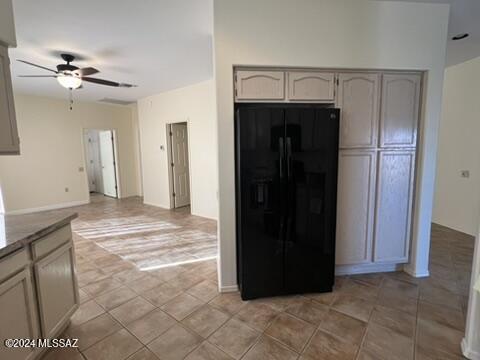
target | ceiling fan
[{"x": 72, "y": 77}]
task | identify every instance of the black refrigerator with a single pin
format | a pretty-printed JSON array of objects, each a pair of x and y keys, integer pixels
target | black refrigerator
[{"x": 286, "y": 193}]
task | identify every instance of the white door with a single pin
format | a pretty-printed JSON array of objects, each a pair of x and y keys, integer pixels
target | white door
[
  {"x": 107, "y": 158},
  {"x": 181, "y": 178}
]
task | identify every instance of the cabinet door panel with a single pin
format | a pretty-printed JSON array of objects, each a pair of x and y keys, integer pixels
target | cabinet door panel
[
  {"x": 18, "y": 315},
  {"x": 260, "y": 85},
  {"x": 399, "y": 115},
  {"x": 311, "y": 86},
  {"x": 358, "y": 99},
  {"x": 9, "y": 143},
  {"x": 394, "y": 205},
  {"x": 355, "y": 206},
  {"x": 57, "y": 290}
]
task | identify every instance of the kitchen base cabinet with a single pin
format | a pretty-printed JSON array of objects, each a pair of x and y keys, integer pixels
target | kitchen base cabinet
[
  {"x": 57, "y": 290},
  {"x": 38, "y": 285},
  {"x": 18, "y": 315}
]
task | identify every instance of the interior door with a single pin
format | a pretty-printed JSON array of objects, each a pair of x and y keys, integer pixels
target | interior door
[
  {"x": 312, "y": 156},
  {"x": 107, "y": 158},
  {"x": 260, "y": 190},
  {"x": 181, "y": 178},
  {"x": 89, "y": 163}
]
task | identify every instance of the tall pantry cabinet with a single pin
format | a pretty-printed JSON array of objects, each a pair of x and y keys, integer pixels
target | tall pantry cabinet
[
  {"x": 379, "y": 117},
  {"x": 378, "y": 136}
]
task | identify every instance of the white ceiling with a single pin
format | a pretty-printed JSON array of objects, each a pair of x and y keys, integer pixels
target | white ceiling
[
  {"x": 464, "y": 18},
  {"x": 155, "y": 44}
]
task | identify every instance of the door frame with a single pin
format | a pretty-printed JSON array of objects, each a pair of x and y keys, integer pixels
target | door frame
[
  {"x": 115, "y": 155},
  {"x": 169, "y": 161}
]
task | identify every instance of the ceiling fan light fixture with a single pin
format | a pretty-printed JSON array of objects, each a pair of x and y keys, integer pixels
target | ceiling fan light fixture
[{"x": 69, "y": 81}]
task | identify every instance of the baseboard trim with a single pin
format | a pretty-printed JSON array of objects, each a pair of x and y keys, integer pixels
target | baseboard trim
[
  {"x": 366, "y": 268},
  {"x": 229, "y": 288},
  {"x": 47, "y": 207},
  {"x": 417, "y": 274},
  {"x": 156, "y": 205},
  {"x": 467, "y": 352},
  {"x": 204, "y": 216}
]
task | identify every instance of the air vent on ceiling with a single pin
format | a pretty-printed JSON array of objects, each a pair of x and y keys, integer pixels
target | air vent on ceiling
[{"x": 116, "y": 101}]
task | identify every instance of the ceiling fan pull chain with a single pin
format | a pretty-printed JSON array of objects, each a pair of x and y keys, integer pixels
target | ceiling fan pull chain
[{"x": 70, "y": 92}]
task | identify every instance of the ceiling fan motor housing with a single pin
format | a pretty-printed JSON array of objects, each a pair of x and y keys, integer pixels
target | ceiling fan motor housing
[{"x": 67, "y": 67}]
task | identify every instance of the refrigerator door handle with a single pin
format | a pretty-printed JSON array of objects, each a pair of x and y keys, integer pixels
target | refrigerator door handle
[
  {"x": 280, "y": 152},
  {"x": 289, "y": 156}
]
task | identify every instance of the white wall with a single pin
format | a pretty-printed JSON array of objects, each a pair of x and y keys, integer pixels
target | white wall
[
  {"x": 457, "y": 199},
  {"x": 194, "y": 104},
  {"x": 328, "y": 33},
  {"x": 51, "y": 144}
]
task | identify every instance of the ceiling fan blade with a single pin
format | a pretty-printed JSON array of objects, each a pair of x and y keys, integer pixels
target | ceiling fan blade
[
  {"x": 101, "y": 81},
  {"x": 86, "y": 71},
  {"x": 107, "y": 82},
  {"x": 38, "y": 76},
  {"x": 39, "y": 66}
]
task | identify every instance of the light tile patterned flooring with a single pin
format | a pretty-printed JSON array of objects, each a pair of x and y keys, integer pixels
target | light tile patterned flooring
[{"x": 177, "y": 313}]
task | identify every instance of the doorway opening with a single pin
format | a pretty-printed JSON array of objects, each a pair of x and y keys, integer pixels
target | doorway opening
[
  {"x": 101, "y": 163},
  {"x": 179, "y": 168}
]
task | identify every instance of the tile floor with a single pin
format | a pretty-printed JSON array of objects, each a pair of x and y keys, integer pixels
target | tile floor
[{"x": 177, "y": 313}]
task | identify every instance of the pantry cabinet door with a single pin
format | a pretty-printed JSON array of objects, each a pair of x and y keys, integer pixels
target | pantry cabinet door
[
  {"x": 400, "y": 110},
  {"x": 355, "y": 206},
  {"x": 311, "y": 86},
  {"x": 259, "y": 85},
  {"x": 18, "y": 315},
  {"x": 358, "y": 100},
  {"x": 57, "y": 289},
  {"x": 394, "y": 205}
]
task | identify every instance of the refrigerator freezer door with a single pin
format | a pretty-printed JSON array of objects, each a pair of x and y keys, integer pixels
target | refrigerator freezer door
[
  {"x": 260, "y": 167},
  {"x": 312, "y": 157}
]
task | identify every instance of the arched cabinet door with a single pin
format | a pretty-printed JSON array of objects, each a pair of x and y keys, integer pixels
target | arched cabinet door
[
  {"x": 400, "y": 110},
  {"x": 358, "y": 99},
  {"x": 313, "y": 86},
  {"x": 259, "y": 85}
]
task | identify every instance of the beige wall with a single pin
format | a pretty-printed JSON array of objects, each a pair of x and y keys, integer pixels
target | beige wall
[
  {"x": 52, "y": 151},
  {"x": 328, "y": 33},
  {"x": 457, "y": 199},
  {"x": 7, "y": 26},
  {"x": 194, "y": 104}
]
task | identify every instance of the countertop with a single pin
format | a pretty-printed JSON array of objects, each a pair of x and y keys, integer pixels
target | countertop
[{"x": 17, "y": 231}]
